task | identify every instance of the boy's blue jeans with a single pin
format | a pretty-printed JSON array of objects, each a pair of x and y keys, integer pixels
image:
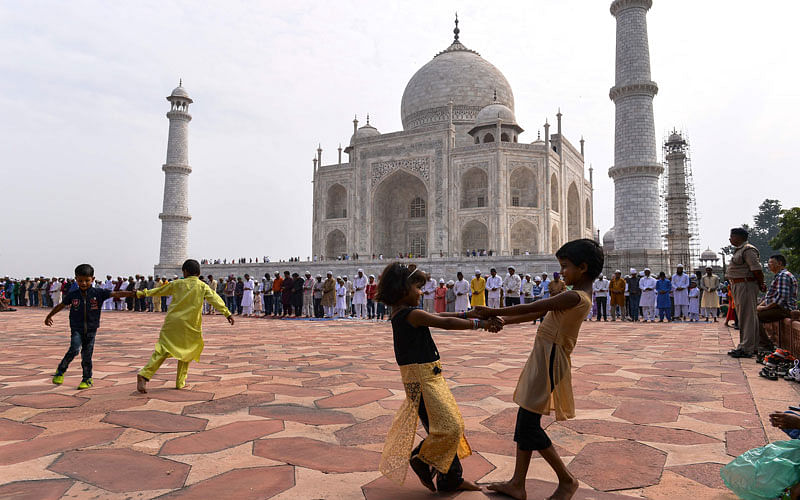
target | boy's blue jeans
[{"x": 83, "y": 343}]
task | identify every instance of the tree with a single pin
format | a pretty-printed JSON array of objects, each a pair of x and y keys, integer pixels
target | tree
[
  {"x": 788, "y": 238},
  {"x": 767, "y": 224}
]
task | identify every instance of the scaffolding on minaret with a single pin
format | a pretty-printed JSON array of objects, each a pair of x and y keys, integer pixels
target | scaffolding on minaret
[{"x": 679, "y": 220}]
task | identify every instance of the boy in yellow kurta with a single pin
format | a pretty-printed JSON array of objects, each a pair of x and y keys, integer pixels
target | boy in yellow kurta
[
  {"x": 478, "y": 288},
  {"x": 181, "y": 336},
  {"x": 546, "y": 382}
]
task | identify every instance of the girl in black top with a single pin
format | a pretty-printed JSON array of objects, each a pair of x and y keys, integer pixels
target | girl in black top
[{"x": 427, "y": 395}]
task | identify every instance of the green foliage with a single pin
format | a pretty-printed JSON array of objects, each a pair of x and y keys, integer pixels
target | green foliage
[
  {"x": 787, "y": 239},
  {"x": 767, "y": 222}
]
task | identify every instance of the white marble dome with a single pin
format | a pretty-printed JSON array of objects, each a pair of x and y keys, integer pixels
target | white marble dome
[
  {"x": 179, "y": 91},
  {"x": 709, "y": 254},
  {"x": 456, "y": 74},
  {"x": 489, "y": 115},
  {"x": 608, "y": 240},
  {"x": 364, "y": 131}
]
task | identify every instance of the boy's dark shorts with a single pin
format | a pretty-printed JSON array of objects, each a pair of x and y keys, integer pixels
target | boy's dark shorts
[{"x": 528, "y": 433}]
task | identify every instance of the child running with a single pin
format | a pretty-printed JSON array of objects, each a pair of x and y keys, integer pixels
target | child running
[
  {"x": 84, "y": 318},
  {"x": 181, "y": 335},
  {"x": 427, "y": 395},
  {"x": 546, "y": 383}
]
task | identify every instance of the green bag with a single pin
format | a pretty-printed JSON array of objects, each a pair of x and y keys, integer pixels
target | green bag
[{"x": 763, "y": 473}]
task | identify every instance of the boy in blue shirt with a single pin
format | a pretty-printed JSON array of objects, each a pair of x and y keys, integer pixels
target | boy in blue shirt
[{"x": 85, "y": 303}]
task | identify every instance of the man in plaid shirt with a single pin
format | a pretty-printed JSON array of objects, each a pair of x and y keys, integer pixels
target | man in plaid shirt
[{"x": 781, "y": 297}]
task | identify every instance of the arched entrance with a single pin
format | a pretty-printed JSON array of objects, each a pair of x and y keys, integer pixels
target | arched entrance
[
  {"x": 336, "y": 202},
  {"x": 523, "y": 189},
  {"x": 573, "y": 213},
  {"x": 524, "y": 238},
  {"x": 474, "y": 236},
  {"x": 335, "y": 245},
  {"x": 400, "y": 216}
]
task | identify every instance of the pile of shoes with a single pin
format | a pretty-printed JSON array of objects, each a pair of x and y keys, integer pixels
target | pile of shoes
[{"x": 778, "y": 364}]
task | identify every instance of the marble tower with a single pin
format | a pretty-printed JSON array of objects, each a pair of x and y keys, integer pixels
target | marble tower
[{"x": 175, "y": 214}]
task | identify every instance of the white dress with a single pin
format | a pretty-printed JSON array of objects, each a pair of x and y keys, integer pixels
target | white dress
[
  {"x": 648, "y": 299},
  {"x": 360, "y": 296},
  {"x": 462, "y": 301},
  {"x": 680, "y": 297},
  {"x": 341, "y": 304},
  {"x": 247, "y": 295}
]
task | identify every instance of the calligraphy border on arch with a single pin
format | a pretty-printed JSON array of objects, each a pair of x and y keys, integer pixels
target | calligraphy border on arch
[{"x": 419, "y": 166}]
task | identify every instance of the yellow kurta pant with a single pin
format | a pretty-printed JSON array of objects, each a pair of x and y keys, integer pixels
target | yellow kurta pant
[
  {"x": 477, "y": 287},
  {"x": 445, "y": 426},
  {"x": 181, "y": 335}
]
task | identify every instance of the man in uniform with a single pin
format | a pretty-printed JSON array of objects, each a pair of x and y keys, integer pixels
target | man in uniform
[{"x": 746, "y": 277}]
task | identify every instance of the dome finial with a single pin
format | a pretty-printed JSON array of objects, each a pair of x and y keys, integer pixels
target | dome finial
[
  {"x": 367, "y": 118},
  {"x": 456, "y": 31},
  {"x": 180, "y": 82}
]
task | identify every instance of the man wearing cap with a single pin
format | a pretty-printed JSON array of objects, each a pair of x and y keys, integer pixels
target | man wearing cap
[
  {"x": 316, "y": 294},
  {"x": 511, "y": 286},
  {"x": 308, "y": 296},
  {"x": 461, "y": 288},
  {"x": 634, "y": 295},
  {"x": 360, "y": 295},
  {"x": 329, "y": 295},
  {"x": 371, "y": 291},
  {"x": 428, "y": 295},
  {"x": 266, "y": 294},
  {"x": 545, "y": 287},
  {"x": 680, "y": 294},
  {"x": 746, "y": 277},
  {"x": 709, "y": 300},
  {"x": 493, "y": 284},
  {"x": 617, "y": 289},
  {"x": 647, "y": 284},
  {"x": 526, "y": 291},
  {"x": 600, "y": 288},
  {"x": 478, "y": 289},
  {"x": 277, "y": 286}
]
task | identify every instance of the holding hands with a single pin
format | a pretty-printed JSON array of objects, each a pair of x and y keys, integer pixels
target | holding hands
[{"x": 493, "y": 323}]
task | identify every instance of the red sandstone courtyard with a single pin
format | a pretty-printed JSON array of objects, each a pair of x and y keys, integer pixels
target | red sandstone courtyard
[{"x": 299, "y": 409}]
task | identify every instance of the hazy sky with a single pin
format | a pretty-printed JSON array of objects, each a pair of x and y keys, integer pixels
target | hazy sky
[{"x": 83, "y": 132}]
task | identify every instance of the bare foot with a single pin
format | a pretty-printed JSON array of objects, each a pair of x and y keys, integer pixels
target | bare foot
[
  {"x": 564, "y": 490},
  {"x": 512, "y": 490},
  {"x": 423, "y": 472},
  {"x": 141, "y": 384},
  {"x": 468, "y": 486}
]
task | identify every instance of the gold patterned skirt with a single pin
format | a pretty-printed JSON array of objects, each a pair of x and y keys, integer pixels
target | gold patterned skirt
[{"x": 445, "y": 430}]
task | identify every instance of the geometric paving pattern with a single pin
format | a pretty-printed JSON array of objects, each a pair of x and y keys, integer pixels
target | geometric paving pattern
[{"x": 299, "y": 410}]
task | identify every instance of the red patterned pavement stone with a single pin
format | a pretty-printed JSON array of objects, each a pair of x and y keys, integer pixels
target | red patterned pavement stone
[
  {"x": 221, "y": 438},
  {"x": 96, "y": 405},
  {"x": 56, "y": 443},
  {"x": 674, "y": 365},
  {"x": 178, "y": 396},
  {"x": 670, "y": 373},
  {"x": 618, "y": 465},
  {"x": 44, "y": 489},
  {"x": 706, "y": 473},
  {"x": 545, "y": 488},
  {"x": 473, "y": 392},
  {"x": 588, "y": 404},
  {"x": 254, "y": 482},
  {"x": 505, "y": 421},
  {"x": 593, "y": 368},
  {"x": 353, "y": 399},
  {"x": 317, "y": 455},
  {"x": 11, "y": 430},
  {"x": 663, "y": 383},
  {"x": 657, "y": 395},
  {"x": 290, "y": 390},
  {"x": 155, "y": 421},
  {"x": 50, "y": 400},
  {"x": 727, "y": 418},
  {"x": 475, "y": 467},
  {"x": 646, "y": 412},
  {"x": 284, "y": 374},
  {"x": 102, "y": 468},
  {"x": 370, "y": 431},
  {"x": 229, "y": 404},
  {"x": 303, "y": 414},
  {"x": 489, "y": 442},
  {"x": 648, "y": 433},
  {"x": 738, "y": 442},
  {"x": 739, "y": 402},
  {"x": 333, "y": 380},
  {"x": 24, "y": 389}
]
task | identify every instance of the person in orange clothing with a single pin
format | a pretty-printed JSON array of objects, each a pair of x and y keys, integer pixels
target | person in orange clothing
[
  {"x": 440, "y": 298},
  {"x": 617, "y": 289},
  {"x": 276, "y": 294}
]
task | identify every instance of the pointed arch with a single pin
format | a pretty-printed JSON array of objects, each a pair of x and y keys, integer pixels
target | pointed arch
[
  {"x": 555, "y": 239},
  {"x": 524, "y": 238},
  {"x": 336, "y": 202},
  {"x": 588, "y": 214},
  {"x": 474, "y": 188},
  {"x": 400, "y": 215},
  {"x": 554, "y": 198},
  {"x": 573, "y": 213},
  {"x": 335, "y": 244},
  {"x": 474, "y": 236},
  {"x": 523, "y": 188}
]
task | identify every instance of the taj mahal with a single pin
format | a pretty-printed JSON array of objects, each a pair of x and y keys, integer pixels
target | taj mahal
[
  {"x": 460, "y": 180},
  {"x": 457, "y": 178}
]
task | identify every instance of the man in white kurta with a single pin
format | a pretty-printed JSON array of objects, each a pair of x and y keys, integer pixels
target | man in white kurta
[
  {"x": 341, "y": 297},
  {"x": 360, "y": 295},
  {"x": 247, "y": 295},
  {"x": 526, "y": 291},
  {"x": 494, "y": 284},
  {"x": 647, "y": 284},
  {"x": 308, "y": 296},
  {"x": 680, "y": 294},
  {"x": 428, "y": 292},
  {"x": 108, "y": 284},
  {"x": 55, "y": 291},
  {"x": 461, "y": 289},
  {"x": 511, "y": 286},
  {"x": 348, "y": 287}
]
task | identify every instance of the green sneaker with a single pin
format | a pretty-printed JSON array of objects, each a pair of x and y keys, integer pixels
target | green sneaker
[
  {"x": 58, "y": 379},
  {"x": 85, "y": 384}
]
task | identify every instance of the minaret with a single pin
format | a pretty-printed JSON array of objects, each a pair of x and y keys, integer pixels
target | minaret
[
  {"x": 678, "y": 197},
  {"x": 636, "y": 168},
  {"x": 175, "y": 215}
]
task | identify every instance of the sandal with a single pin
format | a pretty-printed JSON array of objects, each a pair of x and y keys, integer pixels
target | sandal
[{"x": 768, "y": 373}]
